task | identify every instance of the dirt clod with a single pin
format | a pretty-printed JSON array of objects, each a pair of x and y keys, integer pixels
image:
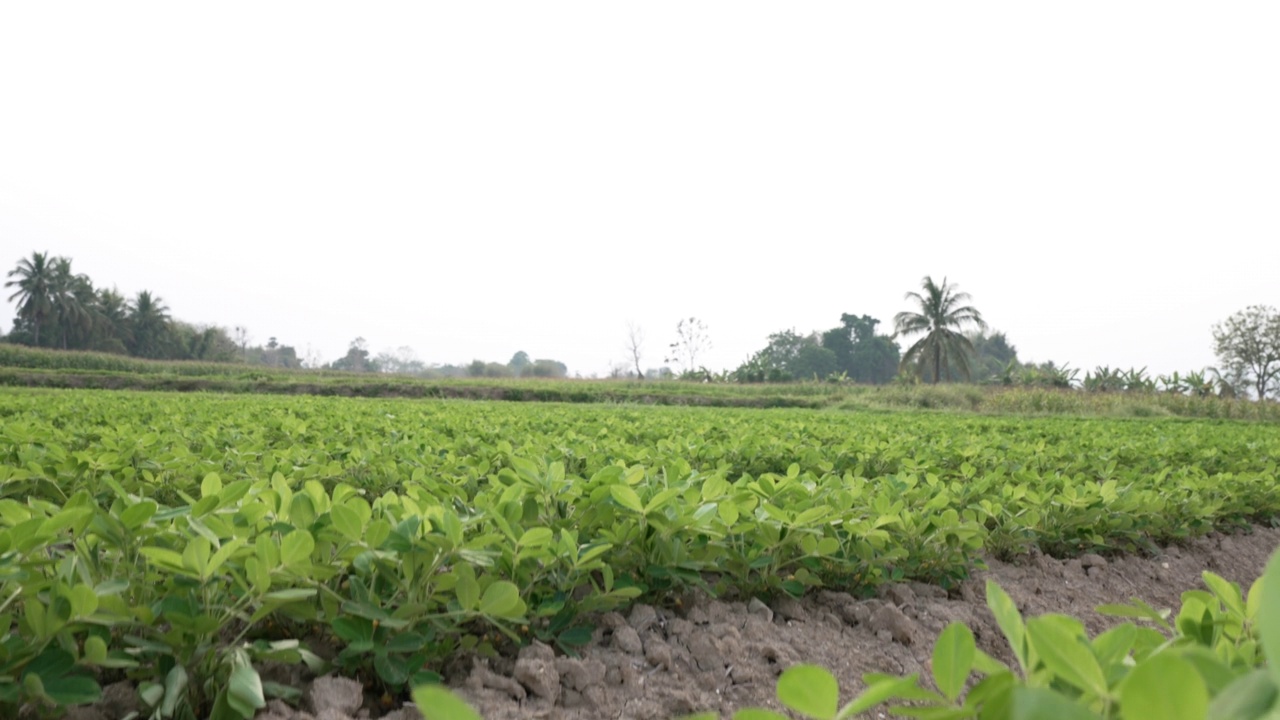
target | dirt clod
[
  {"x": 335, "y": 694},
  {"x": 536, "y": 670}
]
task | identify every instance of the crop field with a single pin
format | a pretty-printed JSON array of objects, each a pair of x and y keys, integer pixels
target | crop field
[{"x": 184, "y": 540}]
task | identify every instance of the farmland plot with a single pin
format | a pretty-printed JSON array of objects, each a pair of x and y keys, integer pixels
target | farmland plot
[{"x": 186, "y": 542}]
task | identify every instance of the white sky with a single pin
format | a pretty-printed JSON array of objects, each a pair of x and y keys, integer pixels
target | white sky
[{"x": 472, "y": 179}]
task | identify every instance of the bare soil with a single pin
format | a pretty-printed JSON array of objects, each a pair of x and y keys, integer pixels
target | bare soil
[
  {"x": 724, "y": 656},
  {"x": 656, "y": 663}
]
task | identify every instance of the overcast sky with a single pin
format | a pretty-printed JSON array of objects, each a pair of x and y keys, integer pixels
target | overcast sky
[{"x": 472, "y": 179}]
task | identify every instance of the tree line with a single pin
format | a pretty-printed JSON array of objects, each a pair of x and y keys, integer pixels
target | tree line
[{"x": 58, "y": 308}]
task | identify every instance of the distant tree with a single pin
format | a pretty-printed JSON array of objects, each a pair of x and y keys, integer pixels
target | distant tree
[
  {"x": 635, "y": 346},
  {"x": 519, "y": 363},
  {"x": 941, "y": 320},
  {"x": 149, "y": 326},
  {"x": 70, "y": 295},
  {"x": 404, "y": 361},
  {"x": 208, "y": 342},
  {"x": 1248, "y": 347},
  {"x": 861, "y": 354},
  {"x": 991, "y": 359},
  {"x": 692, "y": 339},
  {"x": 241, "y": 335},
  {"x": 109, "y": 320},
  {"x": 356, "y": 359},
  {"x": 789, "y": 356},
  {"x": 548, "y": 369},
  {"x": 35, "y": 288}
]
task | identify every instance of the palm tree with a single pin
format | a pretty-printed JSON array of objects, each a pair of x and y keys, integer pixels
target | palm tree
[
  {"x": 35, "y": 286},
  {"x": 149, "y": 319},
  {"x": 941, "y": 318},
  {"x": 66, "y": 294},
  {"x": 111, "y": 321}
]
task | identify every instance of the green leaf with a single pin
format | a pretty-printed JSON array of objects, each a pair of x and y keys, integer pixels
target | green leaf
[
  {"x": 879, "y": 692},
  {"x": 296, "y": 547},
  {"x": 175, "y": 687},
  {"x": 347, "y": 522},
  {"x": 95, "y": 650},
  {"x": 953, "y": 659},
  {"x": 244, "y": 691},
  {"x": 438, "y": 703},
  {"x": 1227, "y": 592},
  {"x": 211, "y": 485},
  {"x": 467, "y": 590},
  {"x": 392, "y": 670},
  {"x": 72, "y": 689},
  {"x": 290, "y": 595},
  {"x": 810, "y": 690},
  {"x": 626, "y": 497},
  {"x": 502, "y": 600},
  {"x": 223, "y": 554},
  {"x": 1269, "y": 616},
  {"x": 1009, "y": 620},
  {"x": 1163, "y": 686},
  {"x": 1029, "y": 703},
  {"x": 1249, "y": 697},
  {"x": 536, "y": 537},
  {"x": 135, "y": 516},
  {"x": 406, "y": 643},
  {"x": 1059, "y": 642}
]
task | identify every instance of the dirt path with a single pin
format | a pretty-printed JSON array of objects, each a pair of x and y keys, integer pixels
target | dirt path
[{"x": 655, "y": 664}]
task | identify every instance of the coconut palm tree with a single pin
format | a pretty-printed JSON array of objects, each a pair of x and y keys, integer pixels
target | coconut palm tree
[
  {"x": 149, "y": 321},
  {"x": 67, "y": 295},
  {"x": 35, "y": 283},
  {"x": 942, "y": 318}
]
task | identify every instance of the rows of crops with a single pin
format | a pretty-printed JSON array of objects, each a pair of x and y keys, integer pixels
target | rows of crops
[{"x": 181, "y": 540}]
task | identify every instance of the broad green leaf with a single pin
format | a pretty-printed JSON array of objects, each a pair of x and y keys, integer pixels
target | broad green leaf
[
  {"x": 1009, "y": 620},
  {"x": 211, "y": 485},
  {"x": 1063, "y": 649},
  {"x": 953, "y": 659},
  {"x": 1249, "y": 697},
  {"x": 196, "y": 556},
  {"x": 880, "y": 692},
  {"x": 1113, "y": 645},
  {"x": 438, "y": 703},
  {"x": 244, "y": 691},
  {"x": 810, "y": 690},
  {"x": 95, "y": 650},
  {"x": 502, "y": 600},
  {"x": 223, "y": 554},
  {"x": 1269, "y": 616},
  {"x": 71, "y": 689},
  {"x": 135, "y": 516},
  {"x": 175, "y": 688},
  {"x": 392, "y": 670},
  {"x": 1031, "y": 703},
  {"x": 536, "y": 537},
  {"x": 296, "y": 547},
  {"x": 84, "y": 601},
  {"x": 1226, "y": 591},
  {"x": 1163, "y": 686},
  {"x": 347, "y": 522},
  {"x": 626, "y": 497},
  {"x": 467, "y": 590}
]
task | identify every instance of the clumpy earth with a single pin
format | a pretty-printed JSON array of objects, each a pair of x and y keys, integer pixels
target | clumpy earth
[{"x": 659, "y": 663}]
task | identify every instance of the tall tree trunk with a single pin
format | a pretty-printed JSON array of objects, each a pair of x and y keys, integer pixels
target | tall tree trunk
[{"x": 937, "y": 363}]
